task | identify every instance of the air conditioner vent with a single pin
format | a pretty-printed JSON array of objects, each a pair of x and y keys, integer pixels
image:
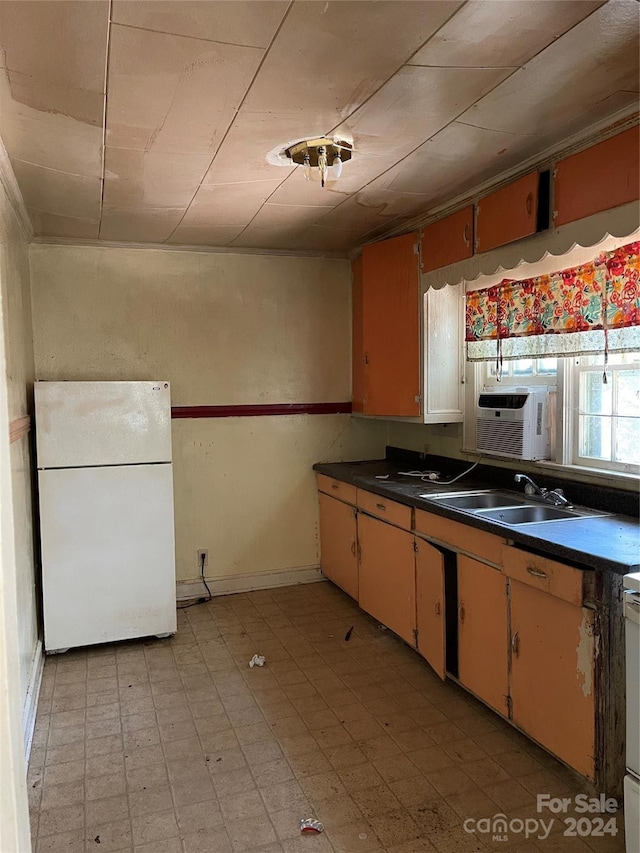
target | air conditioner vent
[{"x": 505, "y": 438}]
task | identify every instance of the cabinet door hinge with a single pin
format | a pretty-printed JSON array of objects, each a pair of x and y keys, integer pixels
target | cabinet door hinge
[{"x": 418, "y": 398}]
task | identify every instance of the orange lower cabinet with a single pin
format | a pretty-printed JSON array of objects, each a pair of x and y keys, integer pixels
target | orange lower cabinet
[
  {"x": 387, "y": 581},
  {"x": 482, "y": 632},
  {"x": 430, "y": 618},
  {"x": 338, "y": 543},
  {"x": 552, "y": 674}
]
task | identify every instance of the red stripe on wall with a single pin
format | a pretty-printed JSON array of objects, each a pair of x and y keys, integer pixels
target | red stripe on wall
[{"x": 254, "y": 411}]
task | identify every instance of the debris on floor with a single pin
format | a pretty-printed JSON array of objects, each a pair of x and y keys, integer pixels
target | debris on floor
[
  {"x": 309, "y": 825},
  {"x": 257, "y": 660},
  {"x": 347, "y": 636}
]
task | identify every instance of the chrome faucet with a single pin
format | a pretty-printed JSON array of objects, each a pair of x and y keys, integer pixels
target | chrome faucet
[{"x": 554, "y": 496}]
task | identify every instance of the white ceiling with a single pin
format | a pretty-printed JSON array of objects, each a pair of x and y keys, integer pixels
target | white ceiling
[{"x": 152, "y": 121}]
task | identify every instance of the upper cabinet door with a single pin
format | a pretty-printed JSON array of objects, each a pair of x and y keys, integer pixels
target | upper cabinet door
[
  {"x": 599, "y": 178},
  {"x": 391, "y": 327},
  {"x": 357, "y": 349},
  {"x": 448, "y": 240},
  {"x": 508, "y": 214}
]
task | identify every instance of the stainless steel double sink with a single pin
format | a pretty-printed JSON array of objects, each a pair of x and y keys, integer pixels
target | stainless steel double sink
[{"x": 509, "y": 508}]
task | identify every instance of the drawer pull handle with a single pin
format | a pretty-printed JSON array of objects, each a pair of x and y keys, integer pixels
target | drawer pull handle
[
  {"x": 515, "y": 644},
  {"x": 529, "y": 204},
  {"x": 465, "y": 234},
  {"x": 353, "y": 547},
  {"x": 537, "y": 573},
  {"x": 381, "y": 506},
  {"x": 461, "y": 612},
  {"x": 437, "y": 608},
  {"x": 335, "y": 486}
]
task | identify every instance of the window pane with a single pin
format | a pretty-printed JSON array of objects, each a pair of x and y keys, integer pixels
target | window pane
[
  {"x": 523, "y": 367},
  {"x": 628, "y": 396},
  {"x": 546, "y": 366},
  {"x": 595, "y": 396},
  {"x": 595, "y": 437},
  {"x": 628, "y": 440}
]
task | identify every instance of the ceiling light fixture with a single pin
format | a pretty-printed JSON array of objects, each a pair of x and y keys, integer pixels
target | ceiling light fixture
[{"x": 317, "y": 154}]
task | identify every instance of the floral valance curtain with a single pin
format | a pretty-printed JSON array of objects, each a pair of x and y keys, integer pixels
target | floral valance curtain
[{"x": 592, "y": 308}]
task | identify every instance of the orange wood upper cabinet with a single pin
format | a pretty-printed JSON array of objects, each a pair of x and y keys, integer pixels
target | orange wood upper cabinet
[
  {"x": 357, "y": 349},
  {"x": 430, "y": 616},
  {"x": 599, "y": 178},
  {"x": 447, "y": 241},
  {"x": 387, "y": 581},
  {"x": 483, "y": 638},
  {"x": 391, "y": 327},
  {"x": 338, "y": 543},
  {"x": 552, "y": 674},
  {"x": 508, "y": 214}
]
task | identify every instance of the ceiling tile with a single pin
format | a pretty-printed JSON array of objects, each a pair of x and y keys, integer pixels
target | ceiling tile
[
  {"x": 63, "y": 43},
  {"x": 320, "y": 239},
  {"x": 372, "y": 206},
  {"x": 50, "y": 225},
  {"x": 149, "y": 225},
  {"x": 489, "y": 34},
  {"x": 212, "y": 235},
  {"x": 414, "y": 105},
  {"x": 243, "y": 23},
  {"x": 440, "y": 166},
  {"x": 47, "y": 137},
  {"x": 329, "y": 57},
  {"x": 151, "y": 178},
  {"x": 52, "y": 67},
  {"x": 58, "y": 192},
  {"x": 597, "y": 57},
  {"x": 171, "y": 93},
  {"x": 276, "y": 224},
  {"x": 228, "y": 204}
]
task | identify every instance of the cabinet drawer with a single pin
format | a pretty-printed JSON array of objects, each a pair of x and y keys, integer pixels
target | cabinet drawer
[
  {"x": 337, "y": 489},
  {"x": 390, "y": 511},
  {"x": 461, "y": 537},
  {"x": 572, "y": 585}
]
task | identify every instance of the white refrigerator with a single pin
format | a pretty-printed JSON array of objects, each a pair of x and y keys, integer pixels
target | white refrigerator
[{"x": 106, "y": 511}]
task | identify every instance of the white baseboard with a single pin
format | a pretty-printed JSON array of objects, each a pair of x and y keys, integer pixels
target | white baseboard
[
  {"x": 30, "y": 706},
  {"x": 246, "y": 583}
]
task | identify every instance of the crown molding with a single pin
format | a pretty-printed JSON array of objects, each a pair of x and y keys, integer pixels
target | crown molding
[
  {"x": 598, "y": 132},
  {"x": 179, "y": 247},
  {"x": 11, "y": 188}
]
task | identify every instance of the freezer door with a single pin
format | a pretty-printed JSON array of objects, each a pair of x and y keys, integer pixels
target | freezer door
[
  {"x": 102, "y": 423},
  {"x": 108, "y": 554}
]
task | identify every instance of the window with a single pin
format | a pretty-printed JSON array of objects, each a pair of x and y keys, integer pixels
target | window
[
  {"x": 539, "y": 371},
  {"x": 602, "y": 420},
  {"x": 606, "y": 420}
]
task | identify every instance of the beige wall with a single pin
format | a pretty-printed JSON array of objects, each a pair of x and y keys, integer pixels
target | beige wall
[
  {"x": 18, "y": 627},
  {"x": 18, "y": 351},
  {"x": 224, "y": 329}
]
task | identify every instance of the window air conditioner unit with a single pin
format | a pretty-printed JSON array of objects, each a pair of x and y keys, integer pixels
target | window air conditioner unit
[{"x": 513, "y": 423}]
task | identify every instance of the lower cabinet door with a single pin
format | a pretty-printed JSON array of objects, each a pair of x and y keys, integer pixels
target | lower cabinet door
[
  {"x": 552, "y": 669},
  {"x": 338, "y": 543},
  {"x": 430, "y": 616},
  {"x": 387, "y": 575},
  {"x": 483, "y": 637}
]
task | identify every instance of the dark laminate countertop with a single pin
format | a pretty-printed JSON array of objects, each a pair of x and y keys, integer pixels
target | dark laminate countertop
[{"x": 610, "y": 543}]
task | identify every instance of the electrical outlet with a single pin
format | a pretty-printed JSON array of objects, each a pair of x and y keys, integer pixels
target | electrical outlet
[{"x": 203, "y": 553}]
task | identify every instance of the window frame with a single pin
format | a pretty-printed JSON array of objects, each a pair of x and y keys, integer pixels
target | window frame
[{"x": 564, "y": 387}]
